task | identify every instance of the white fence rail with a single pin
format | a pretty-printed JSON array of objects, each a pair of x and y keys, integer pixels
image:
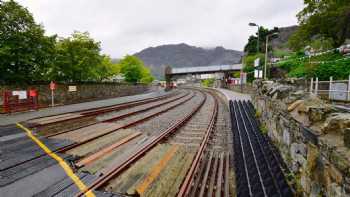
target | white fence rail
[{"x": 335, "y": 90}]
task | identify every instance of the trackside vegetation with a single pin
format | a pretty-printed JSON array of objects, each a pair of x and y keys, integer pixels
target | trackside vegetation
[{"x": 27, "y": 54}]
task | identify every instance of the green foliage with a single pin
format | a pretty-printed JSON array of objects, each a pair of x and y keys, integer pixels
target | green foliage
[
  {"x": 264, "y": 129},
  {"x": 146, "y": 76},
  {"x": 338, "y": 70},
  {"x": 76, "y": 58},
  {"x": 106, "y": 69},
  {"x": 248, "y": 64},
  {"x": 26, "y": 54},
  {"x": 236, "y": 74},
  {"x": 208, "y": 82},
  {"x": 281, "y": 53},
  {"x": 251, "y": 47},
  {"x": 323, "y": 66},
  {"x": 326, "y": 19},
  {"x": 258, "y": 114},
  {"x": 322, "y": 44},
  {"x": 134, "y": 70}
]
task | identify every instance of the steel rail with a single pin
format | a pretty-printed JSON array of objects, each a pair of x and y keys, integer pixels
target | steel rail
[
  {"x": 100, "y": 110},
  {"x": 71, "y": 146},
  {"x": 121, "y": 116},
  {"x": 185, "y": 187},
  {"x": 119, "y": 168},
  {"x": 143, "y": 110}
]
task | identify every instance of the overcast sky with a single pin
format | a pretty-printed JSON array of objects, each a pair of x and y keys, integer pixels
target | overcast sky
[{"x": 126, "y": 27}]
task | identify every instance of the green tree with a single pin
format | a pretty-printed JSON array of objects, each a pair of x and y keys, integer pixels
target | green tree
[
  {"x": 251, "y": 47},
  {"x": 106, "y": 69},
  {"x": 146, "y": 75},
  {"x": 134, "y": 70},
  {"x": 248, "y": 64},
  {"x": 26, "y": 54},
  {"x": 325, "y": 19},
  {"x": 77, "y": 58}
]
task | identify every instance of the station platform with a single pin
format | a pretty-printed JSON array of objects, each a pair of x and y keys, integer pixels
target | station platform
[
  {"x": 6, "y": 119},
  {"x": 232, "y": 95}
]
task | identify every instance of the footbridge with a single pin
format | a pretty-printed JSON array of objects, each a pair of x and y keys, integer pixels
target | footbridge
[{"x": 202, "y": 70}]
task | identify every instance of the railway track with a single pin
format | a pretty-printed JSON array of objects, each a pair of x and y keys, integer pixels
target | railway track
[
  {"x": 197, "y": 132},
  {"x": 180, "y": 144},
  {"x": 60, "y": 118},
  {"x": 18, "y": 161},
  {"x": 211, "y": 171},
  {"x": 115, "y": 170},
  {"x": 258, "y": 172},
  {"x": 68, "y": 146},
  {"x": 52, "y": 125}
]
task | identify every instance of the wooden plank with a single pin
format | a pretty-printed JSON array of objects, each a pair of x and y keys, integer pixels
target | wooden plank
[
  {"x": 219, "y": 178},
  {"x": 106, "y": 150},
  {"x": 156, "y": 170},
  {"x": 50, "y": 118},
  {"x": 205, "y": 178}
]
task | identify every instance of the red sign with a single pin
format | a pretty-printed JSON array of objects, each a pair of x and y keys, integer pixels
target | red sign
[
  {"x": 52, "y": 85},
  {"x": 33, "y": 93}
]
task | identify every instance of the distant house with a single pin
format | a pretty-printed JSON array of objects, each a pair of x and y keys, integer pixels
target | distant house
[{"x": 117, "y": 78}]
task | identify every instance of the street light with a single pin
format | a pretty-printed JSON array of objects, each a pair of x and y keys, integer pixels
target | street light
[
  {"x": 266, "y": 51},
  {"x": 255, "y": 25}
]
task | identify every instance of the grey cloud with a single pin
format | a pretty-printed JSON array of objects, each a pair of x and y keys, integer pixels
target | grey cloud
[{"x": 125, "y": 27}]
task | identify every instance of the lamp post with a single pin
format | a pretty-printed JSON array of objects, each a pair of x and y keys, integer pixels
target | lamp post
[
  {"x": 257, "y": 45},
  {"x": 266, "y": 52}
]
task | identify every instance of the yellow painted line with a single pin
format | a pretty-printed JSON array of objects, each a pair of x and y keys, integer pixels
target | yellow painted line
[
  {"x": 155, "y": 171},
  {"x": 60, "y": 161}
]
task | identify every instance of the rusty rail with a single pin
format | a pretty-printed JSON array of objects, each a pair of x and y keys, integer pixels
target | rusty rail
[
  {"x": 119, "y": 117},
  {"x": 104, "y": 109},
  {"x": 71, "y": 146},
  {"x": 117, "y": 169},
  {"x": 186, "y": 184}
]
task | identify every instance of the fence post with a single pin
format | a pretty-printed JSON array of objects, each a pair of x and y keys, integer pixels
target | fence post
[
  {"x": 330, "y": 87},
  {"x": 348, "y": 95},
  {"x": 316, "y": 86},
  {"x": 311, "y": 85}
]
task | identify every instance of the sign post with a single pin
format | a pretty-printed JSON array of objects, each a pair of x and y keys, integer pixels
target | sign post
[
  {"x": 52, "y": 87},
  {"x": 257, "y": 70}
]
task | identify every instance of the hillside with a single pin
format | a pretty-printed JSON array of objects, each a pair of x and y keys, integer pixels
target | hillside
[
  {"x": 280, "y": 42},
  {"x": 183, "y": 55}
]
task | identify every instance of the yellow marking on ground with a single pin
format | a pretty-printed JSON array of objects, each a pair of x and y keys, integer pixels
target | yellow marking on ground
[
  {"x": 60, "y": 161},
  {"x": 155, "y": 171}
]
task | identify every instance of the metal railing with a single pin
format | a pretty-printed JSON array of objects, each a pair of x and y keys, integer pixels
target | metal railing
[{"x": 335, "y": 90}]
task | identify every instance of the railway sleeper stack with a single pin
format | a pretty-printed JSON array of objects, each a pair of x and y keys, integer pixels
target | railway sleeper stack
[{"x": 258, "y": 171}]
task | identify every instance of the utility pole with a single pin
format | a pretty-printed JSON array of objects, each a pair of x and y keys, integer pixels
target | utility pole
[
  {"x": 257, "y": 45},
  {"x": 266, "y": 53}
]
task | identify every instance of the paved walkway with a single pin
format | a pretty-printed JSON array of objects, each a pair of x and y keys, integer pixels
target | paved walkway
[
  {"x": 23, "y": 116},
  {"x": 231, "y": 95}
]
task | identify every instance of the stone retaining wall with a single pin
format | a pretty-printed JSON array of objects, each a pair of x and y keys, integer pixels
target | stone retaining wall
[
  {"x": 246, "y": 88},
  {"x": 85, "y": 92},
  {"x": 313, "y": 137}
]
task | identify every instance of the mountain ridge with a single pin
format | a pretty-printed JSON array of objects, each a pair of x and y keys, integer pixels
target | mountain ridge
[{"x": 184, "y": 55}]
